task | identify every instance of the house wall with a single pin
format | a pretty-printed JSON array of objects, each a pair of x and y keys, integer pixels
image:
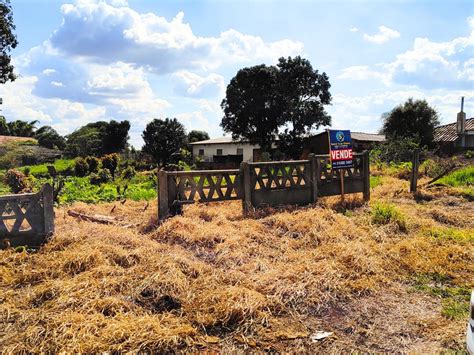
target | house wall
[{"x": 227, "y": 149}]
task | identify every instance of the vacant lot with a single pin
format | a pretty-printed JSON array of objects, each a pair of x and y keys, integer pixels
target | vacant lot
[{"x": 394, "y": 275}]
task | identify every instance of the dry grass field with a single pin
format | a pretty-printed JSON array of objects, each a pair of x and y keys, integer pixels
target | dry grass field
[{"x": 213, "y": 280}]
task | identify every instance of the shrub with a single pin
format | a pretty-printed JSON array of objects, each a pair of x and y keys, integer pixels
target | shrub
[
  {"x": 110, "y": 162},
  {"x": 384, "y": 213},
  {"x": 128, "y": 172},
  {"x": 469, "y": 154},
  {"x": 93, "y": 163},
  {"x": 432, "y": 168},
  {"x": 16, "y": 181},
  {"x": 398, "y": 150},
  {"x": 81, "y": 168},
  {"x": 102, "y": 176}
]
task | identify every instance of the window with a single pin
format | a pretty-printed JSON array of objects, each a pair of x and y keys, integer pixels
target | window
[
  {"x": 219, "y": 151},
  {"x": 201, "y": 152},
  {"x": 240, "y": 151}
]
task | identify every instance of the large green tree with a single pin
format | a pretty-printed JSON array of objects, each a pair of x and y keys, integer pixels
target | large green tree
[
  {"x": 98, "y": 138},
  {"x": 8, "y": 41},
  {"x": 4, "y": 127},
  {"x": 21, "y": 128},
  {"x": 197, "y": 136},
  {"x": 49, "y": 138},
  {"x": 414, "y": 119},
  {"x": 251, "y": 107},
  {"x": 303, "y": 93},
  {"x": 164, "y": 140},
  {"x": 287, "y": 100}
]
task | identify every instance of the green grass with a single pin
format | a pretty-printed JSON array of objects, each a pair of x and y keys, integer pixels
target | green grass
[
  {"x": 61, "y": 166},
  {"x": 459, "y": 178},
  {"x": 140, "y": 187},
  {"x": 385, "y": 213},
  {"x": 375, "y": 181},
  {"x": 455, "y": 299},
  {"x": 453, "y": 234}
]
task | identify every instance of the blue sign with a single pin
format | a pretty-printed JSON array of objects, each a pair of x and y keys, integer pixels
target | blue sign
[{"x": 340, "y": 148}]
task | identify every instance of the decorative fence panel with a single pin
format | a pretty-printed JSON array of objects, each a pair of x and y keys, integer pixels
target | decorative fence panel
[
  {"x": 27, "y": 219},
  {"x": 298, "y": 182}
]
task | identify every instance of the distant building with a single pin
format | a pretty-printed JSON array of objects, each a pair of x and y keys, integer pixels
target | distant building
[
  {"x": 319, "y": 143},
  {"x": 224, "y": 150},
  {"x": 457, "y": 135}
]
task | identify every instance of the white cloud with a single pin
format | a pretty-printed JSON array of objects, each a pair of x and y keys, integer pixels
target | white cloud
[
  {"x": 105, "y": 34},
  {"x": 191, "y": 84},
  {"x": 57, "y": 84},
  {"x": 363, "y": 72},
  {"x": 48, "y": 71},
  {"x": 384, "y": 35},
  {"x": 353, "y": 29}
]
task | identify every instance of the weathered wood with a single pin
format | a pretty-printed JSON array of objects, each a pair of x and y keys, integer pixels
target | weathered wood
[
  {"x": 414, "y": 170},
  {"x": 163, "y": 203},
  {"x": 366, "y": 175},
  {"x": 95, "y": 218},
  {"x": 48, "y": 209}
]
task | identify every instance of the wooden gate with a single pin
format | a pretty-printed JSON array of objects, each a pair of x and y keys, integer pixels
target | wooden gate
[{"x": 27, "y": 219}]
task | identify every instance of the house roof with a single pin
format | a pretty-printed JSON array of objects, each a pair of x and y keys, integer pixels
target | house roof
[
  {"x": 220, "y": 140},
  {"x": 360, "y": 136},
  {"x": 448, "y": 132}
]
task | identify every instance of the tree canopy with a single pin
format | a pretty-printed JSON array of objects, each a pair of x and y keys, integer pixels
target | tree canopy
[
  {"x": 21, "y": 128},
  {"x": 164, "y": 140},
  {"x": 287, "y": 100},
  {"x": 197, "y": 136},
  {"x": 414, "y": 119},
  {"x": 8, "y": 41},
  {"x": 49, "y": 138},
  {"x": 98, "y": 138}
]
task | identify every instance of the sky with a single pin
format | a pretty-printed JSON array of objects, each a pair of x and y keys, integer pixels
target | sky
[{"x": 81, "y": 61}]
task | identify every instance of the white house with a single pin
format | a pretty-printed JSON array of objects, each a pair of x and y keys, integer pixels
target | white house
[{"x": 208, "y": 149}]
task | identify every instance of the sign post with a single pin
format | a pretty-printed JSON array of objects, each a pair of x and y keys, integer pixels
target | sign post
[{"x": 340, "y": 152}]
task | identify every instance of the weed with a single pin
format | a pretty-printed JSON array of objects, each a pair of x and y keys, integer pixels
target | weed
[
  {"x": 454, "y": 234},
  {"x": 375, "y": 181},
  {"x": 385, "y": 213},
  {"x": 461, "y": 177}
]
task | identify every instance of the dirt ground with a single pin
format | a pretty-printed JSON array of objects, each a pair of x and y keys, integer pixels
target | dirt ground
[{"x": 214, "y": 280}]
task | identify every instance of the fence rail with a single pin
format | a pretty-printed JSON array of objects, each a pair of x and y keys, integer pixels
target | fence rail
[
  {"x": 297, "y": 182},
  {"x": 27, "y": 219}
]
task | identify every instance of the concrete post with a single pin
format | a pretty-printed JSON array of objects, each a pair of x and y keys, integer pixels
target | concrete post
[
  {"x": 246, "y": 188},
  {"x": 48, "y": 209},
  {"x": 163, "y": 205},
  {"x": 314, "y": 176}
]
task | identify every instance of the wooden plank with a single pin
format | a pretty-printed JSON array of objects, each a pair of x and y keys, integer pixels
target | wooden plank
[
  {"x": 246, "y": 186},
  {"x": 17, "y": 197},
  {"x": 366, "y": 175},
  {"x": 203, "y": 172}
]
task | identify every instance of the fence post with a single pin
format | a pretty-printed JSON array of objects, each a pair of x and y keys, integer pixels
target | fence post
[
  {"x": 415, "y": 164},
  {"x": 163, "y": 205},
  {"x": 314, "y": 171},
  {"x": 246, "y": 190},
  {"x": 48, "y": 209},
  {"x": 366, "y": 172}
]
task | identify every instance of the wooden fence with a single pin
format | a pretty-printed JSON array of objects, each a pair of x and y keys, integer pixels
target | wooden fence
[
  {"x": 261, "y": 184},
  {"x": 27, "y": 219}
]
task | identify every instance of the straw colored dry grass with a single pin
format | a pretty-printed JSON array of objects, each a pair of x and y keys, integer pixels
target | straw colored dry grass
[{"x": 214, "y": 280}]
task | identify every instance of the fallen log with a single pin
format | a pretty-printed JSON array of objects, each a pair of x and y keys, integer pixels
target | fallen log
[
  {"x": 95, "y": 218},
  {"x": 445, "y": 172}
]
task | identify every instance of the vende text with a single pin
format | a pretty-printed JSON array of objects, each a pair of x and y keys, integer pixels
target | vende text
[{"x": 342, "y": 154}]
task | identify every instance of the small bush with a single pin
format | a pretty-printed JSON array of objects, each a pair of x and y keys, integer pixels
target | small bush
[
  {"x": 93, "y": 163},
  {"x": 110, "y": 162},
  {"x": 16, "y": 181},
  {"x": 432, "y": 168},
  {"x": 102, "y": 176},
  {"x": 384, "y": 213},
  {"x": 128, "y": 172},
  {"x": 81, "y": 168},
  {"x": 469, "y": 154}
]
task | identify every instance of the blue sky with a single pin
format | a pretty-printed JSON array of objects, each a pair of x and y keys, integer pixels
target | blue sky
[{"x": 87, "y": 60}]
